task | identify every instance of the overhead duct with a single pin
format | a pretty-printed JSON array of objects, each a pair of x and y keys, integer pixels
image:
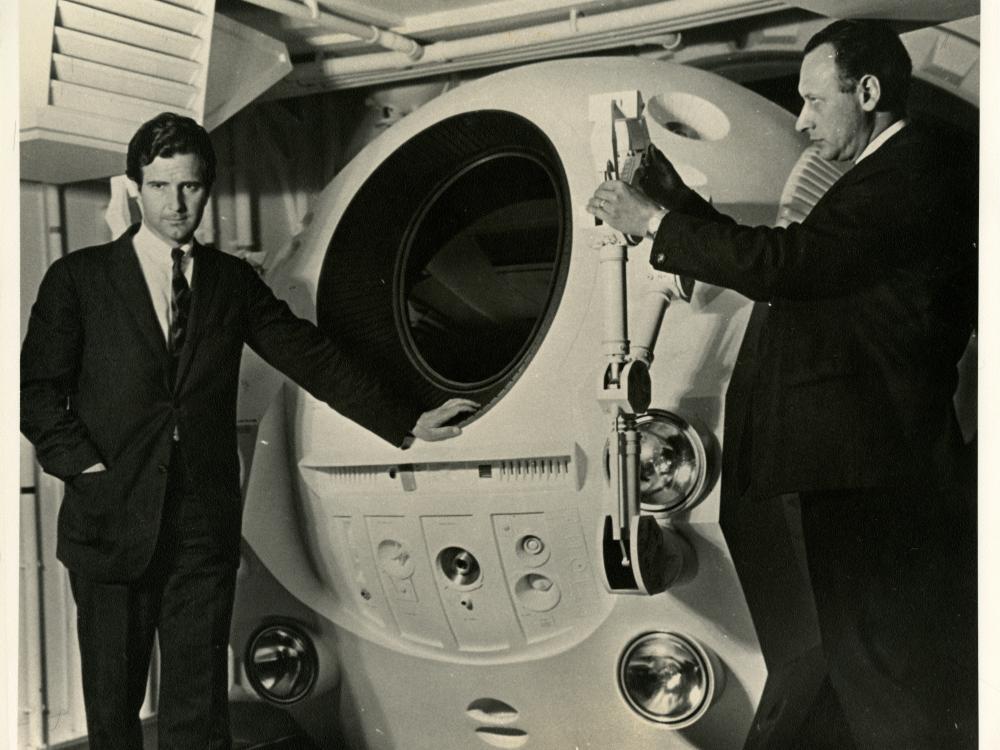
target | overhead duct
[
  {"x": 510, "y": 36},
  {"x": 309, "y": 11},
  {"x": 577, "y": 33},
  {"x": 933, "y": 11}
]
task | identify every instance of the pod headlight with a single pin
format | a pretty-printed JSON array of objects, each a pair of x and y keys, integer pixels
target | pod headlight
[
  {"x": 672, "y": 462},
  {"x": 281, "y": 663},
  {"x": 667, "y": 678}
]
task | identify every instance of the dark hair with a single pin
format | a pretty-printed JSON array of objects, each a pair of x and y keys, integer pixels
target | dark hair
[
  {"x": 165, "y": 135},
  {"x": 864, "y": 47}
]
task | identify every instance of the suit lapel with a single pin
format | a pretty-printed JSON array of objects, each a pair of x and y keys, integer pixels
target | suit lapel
[
  {"x": 204, "y": 281},
  {"x": 130, "y": 284}
]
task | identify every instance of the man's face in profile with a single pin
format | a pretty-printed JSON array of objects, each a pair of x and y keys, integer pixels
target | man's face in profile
[
  {"x": 832, "y": 118},
  {"x": 173, "y": 197}
]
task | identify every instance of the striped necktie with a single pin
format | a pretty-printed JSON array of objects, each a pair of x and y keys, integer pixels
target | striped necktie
[{"x": 180, "y": 303}]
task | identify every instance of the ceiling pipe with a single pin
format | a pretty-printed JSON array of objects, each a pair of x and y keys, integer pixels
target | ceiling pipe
[
  {"x": 673, "y": 14},
  {"x": 406, "y": 48}
]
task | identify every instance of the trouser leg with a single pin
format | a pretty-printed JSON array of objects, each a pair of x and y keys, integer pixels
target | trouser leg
[
  {"x": 890, "y": 580},
  {"x": 825, "y": 726},
  {"x": 115, "y": 627},
  {"x": 195, "y": 615},
  {"x": 194, "y": 639}
]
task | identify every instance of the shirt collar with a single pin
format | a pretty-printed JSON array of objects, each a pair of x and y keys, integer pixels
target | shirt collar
[
  {"x": 881, "y": 138},
  {"x": 148, "y": 243}
]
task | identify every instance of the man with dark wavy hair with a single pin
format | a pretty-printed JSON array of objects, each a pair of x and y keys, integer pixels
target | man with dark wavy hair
[
  {"x": 129, "y": 376},
  {"x": 842, "y": 390}
]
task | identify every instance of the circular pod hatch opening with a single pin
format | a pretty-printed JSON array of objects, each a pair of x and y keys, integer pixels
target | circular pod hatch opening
[{"x": 448, "y": 264}]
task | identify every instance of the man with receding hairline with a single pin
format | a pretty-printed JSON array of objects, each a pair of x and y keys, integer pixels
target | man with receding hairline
[
  {"x": 129, "y": 376},
  {"x": 842, "y": 390}
]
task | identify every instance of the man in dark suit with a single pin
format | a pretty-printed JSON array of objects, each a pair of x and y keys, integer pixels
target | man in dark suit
[
  {"x": 129, "y": 374},
  {"x": 842, "y": 390}
]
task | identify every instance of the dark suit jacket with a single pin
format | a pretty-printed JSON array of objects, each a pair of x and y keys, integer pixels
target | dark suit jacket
[
  {"x": 848, "y": 367},
  {"x": 96, "y": 387}
]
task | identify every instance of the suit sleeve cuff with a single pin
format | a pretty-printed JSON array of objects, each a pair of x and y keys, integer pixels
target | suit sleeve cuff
[{"x": 653, "y": 226}]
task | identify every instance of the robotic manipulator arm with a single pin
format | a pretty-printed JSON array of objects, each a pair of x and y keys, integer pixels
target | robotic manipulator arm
[{"x": 638, "y": 555}]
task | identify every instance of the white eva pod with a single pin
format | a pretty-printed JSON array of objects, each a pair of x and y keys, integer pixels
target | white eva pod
[{"x": 455, "y": 255}]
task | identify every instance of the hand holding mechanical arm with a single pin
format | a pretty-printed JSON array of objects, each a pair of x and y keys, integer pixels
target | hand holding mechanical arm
[
  {"x": 659, "y": 180},
  {"x": 625, "y": 208},
  {"x": 836, "y": 250},
  {"x": 638, "y": 208}
]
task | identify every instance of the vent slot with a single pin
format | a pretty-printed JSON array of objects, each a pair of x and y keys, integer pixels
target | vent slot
[
  {"x": 360, "y": 475},
  {"x": 197, "y": 5},
  {"x": 74, "y": 44},
  {"x": 529, "y": 469},
  {"x": 502, "y": 738},
  {"x": 492, "y": 711},
  {"x": 187, "y": 21},
  {"x": 126, "y": 83},
  {"x": 110, "y": 26},
  {"x": 85, "y": 99}
]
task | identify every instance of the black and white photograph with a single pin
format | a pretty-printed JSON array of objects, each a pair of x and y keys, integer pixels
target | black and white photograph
[{"x": 474, "y": 374}]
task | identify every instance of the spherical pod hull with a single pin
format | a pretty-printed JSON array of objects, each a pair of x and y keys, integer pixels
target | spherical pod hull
[{"x": 459, "y": 587}]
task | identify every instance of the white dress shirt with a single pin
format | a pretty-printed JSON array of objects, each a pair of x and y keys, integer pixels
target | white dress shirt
[
  {"x": 157, "y": 268},
  {"x": 881, "y": 138}
]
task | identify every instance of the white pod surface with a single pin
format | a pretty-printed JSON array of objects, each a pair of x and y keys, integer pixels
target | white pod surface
[{"x": 459, "y": 583}]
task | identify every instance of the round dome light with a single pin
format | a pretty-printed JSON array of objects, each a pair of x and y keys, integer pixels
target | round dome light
[
  {"x": 667, "y": 678},
  {"x": 672, "y": 462},
  {"x": 281, "y": 663}
]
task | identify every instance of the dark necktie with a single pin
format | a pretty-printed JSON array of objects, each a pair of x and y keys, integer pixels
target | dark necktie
[{"x": 180, "y": 303}]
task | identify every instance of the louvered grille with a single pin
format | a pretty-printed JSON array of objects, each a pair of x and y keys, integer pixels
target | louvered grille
[
  {"x": 130, "y": 59},
  {"x": 544, "y": 470},
  {"x": 526, "y": 469}
]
